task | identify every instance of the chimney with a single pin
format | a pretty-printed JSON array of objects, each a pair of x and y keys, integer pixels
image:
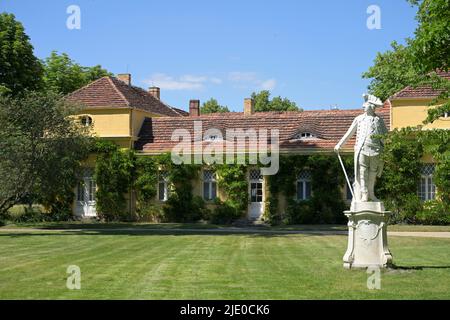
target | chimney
[
  {"x": 154, "y": 91},
  {"x": 194, "y": 108},
  {"x": 125, "y": 77},
  {"x": 249, "y": 106}
]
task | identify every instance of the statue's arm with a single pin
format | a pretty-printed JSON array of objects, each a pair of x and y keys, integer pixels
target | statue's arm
[{"x": 350, "y": 132}]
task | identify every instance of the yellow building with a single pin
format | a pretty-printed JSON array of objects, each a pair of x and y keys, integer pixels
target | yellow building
[
  {"x": 115, "y": 110},
  {"x": 409, "y": 108},
  {"x": 137, "y": 119}
]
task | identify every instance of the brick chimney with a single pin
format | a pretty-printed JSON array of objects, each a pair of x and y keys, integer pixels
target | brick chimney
[
  {"x": 154, "y": 91},
  {"x": 249, "y": 106},
  {"x": 125, "y": 77},
  {"x": 194, "y": 108}
]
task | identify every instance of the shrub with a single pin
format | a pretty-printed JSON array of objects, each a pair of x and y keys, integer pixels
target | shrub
[
  {"x": 150, "y": 212},
  {"x": 224, "y": 213},
  {"x": 434, "y": 213}
]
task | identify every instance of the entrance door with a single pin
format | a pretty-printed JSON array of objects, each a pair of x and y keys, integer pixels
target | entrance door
[
  {"x": 256, "y": 195},
  {"x": 85, "y": 198}
]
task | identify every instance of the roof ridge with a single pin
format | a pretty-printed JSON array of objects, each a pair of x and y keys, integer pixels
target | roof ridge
[{"x": 118, "y": 91}]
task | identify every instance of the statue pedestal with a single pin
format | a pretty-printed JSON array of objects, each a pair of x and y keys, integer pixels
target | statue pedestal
[{"x": 367, "y": 236}]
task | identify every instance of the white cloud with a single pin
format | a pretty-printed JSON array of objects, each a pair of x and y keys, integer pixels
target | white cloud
[
  {"x": 252, "y": 80},
  {"x": 216, "y": 80},
  {"x": 183, "y": 82},
  {"x": 238, "y": 76},
  {"x": 269, "y": 84},
  {"x": 247, "y": 80}
]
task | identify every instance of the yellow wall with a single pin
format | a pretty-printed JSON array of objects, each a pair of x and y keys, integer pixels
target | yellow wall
[
  {"x": 411, "y": 113},
  {"x": 137, "y": 119},
  {"x": 110, "y": 122}
]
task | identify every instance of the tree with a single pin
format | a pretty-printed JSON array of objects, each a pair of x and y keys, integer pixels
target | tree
[
  {"x": 431, "y": 45},
  {"x": 212, "y": 106},
  {"x": 417, "y": 62},
  {"x": 263, "y": 102},
  {"x": 19, "y": 68},
  {"x": 40, "y": 151},
  {"x": 392, "y": 71},
  {"x": 63, "y": 75}
]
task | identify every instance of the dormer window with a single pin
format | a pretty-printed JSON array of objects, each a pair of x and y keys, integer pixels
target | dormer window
[
  {"x": 86, "y": 121},
  {"x": 304, "y": 136},
  {"x": 213, "y": 137}
]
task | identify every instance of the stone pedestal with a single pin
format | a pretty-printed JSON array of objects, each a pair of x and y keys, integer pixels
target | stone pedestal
[{"x": 367, "y": 236}]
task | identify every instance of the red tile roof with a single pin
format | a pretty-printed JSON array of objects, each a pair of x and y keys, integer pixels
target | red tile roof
[
  {"x": 328, "y": 125},
  {"x": 112, "y": 92},
  {"x": 425, "y": 91}
]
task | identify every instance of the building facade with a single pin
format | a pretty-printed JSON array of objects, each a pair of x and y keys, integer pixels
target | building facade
[{"x": 137, "y": 119}]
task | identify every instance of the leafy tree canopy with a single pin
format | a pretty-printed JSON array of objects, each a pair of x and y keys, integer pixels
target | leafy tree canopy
[
  {"x": 212, "y": 106},
  {"x": 63, "y": 75},
  {"x": 19, "y": 68},
  {"x": 416, "y": 62},
  {"x": 264, "y": 103},
  {"x": 40, "y": 150}
]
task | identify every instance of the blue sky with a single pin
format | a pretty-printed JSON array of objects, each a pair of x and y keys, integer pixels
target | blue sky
[{"x": 312, "y": 52}]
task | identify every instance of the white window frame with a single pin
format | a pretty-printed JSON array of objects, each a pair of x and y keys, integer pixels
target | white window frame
[
  {"x": 303, "y": 178},
  {"x": 209, "y": 182},
  {"x": 426, "y": 183},
  {"x": 163, "y": 180},
  {"x": 256, "y": 177}
]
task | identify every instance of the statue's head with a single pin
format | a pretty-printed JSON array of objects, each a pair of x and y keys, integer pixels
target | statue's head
[{"x": 371, "y": 102}]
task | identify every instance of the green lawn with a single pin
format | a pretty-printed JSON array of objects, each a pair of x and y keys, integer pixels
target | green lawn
[
  {"x": 188, "y": 265},
  {"x": 168, "y": 226}
]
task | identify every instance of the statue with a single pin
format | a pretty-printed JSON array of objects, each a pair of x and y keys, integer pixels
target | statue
[
  {"x": 367, "y": 218},
  {"x": 368, "y": 149}
]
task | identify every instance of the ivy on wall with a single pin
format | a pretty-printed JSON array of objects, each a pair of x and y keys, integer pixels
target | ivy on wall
[
  {"x": 398, "y": 185},
  {"x": 326, "y": 204},
  {"x": 233, "y": 182},
  {"x": 114, "y": 172},
  {"x": 120, "y": 171}
]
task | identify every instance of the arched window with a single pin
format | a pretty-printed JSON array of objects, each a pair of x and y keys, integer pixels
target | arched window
[
  {"x": 163, "y": 186},
  {"x": 209, "y": 185},
  {"x": 304, "y": 185},
  {"x": 427, "y": 188}
]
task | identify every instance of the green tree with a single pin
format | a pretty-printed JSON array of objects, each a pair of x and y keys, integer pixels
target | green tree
[
  {"x": 63, "y": 75},
  {"x": 416, "y": 63},
  {"x": 264, "y": 103},
  {"x": 19, "y": 68},
  {"x": 40, "y": 150},
  {"x": 212, "y": 106}
]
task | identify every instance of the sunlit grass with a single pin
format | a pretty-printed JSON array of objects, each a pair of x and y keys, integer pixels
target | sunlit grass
[{"x": 188, "y": 265}]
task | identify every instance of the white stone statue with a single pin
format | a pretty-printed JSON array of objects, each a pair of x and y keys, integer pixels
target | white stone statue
[
  {"x": 368, "y": 149},
  {"x": 367, "y": 218}
]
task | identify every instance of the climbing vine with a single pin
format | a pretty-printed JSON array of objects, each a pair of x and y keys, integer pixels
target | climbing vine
[
  {"x": 324, "y": 206},
  {"x": 233, "y": 182},
  {"x": 403, "y": 161}
]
